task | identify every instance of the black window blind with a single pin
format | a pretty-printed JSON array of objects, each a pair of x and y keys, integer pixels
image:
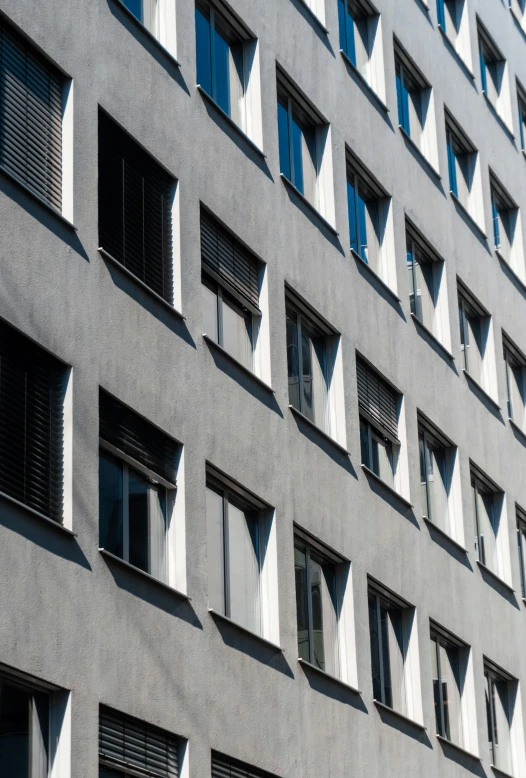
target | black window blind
[
  {"x": 135, "y": 209},
  {"x": 137, "y": 438},
  {"x": 126, "y": 742},
  {"x": 30, "y": 116},
  {"x": 377, "y": 400},
  {"x": 228, "y": 260},
  {"x": 226, "y": 767},
  {"x": 31, "y": 424}
]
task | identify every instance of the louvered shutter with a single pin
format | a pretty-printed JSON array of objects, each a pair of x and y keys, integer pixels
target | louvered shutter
[
  {"x": 31, "y": 424},
  {"x": 226, "y": 767},
  {"x": 125, "y": 742},
  {"x": 377, "y": 400},
  {"x": 30, "y": 117},
  {"x": 135, "y": 209},
  {"x": 228, "y": 260},
  {"x": 135, "y": 437}
]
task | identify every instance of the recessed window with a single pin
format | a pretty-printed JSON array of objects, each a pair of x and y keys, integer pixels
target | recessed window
[
  {"x": 314, "y": 367},
  {"x": 36, "y": 122},
  {"x": 137, "y": 490},
  {"x": 228, "y": 65},
  {"x": 463, "y": 169},
  {"x": 490, "y": 522},
  {"x": 130, "y": 747},
  {"x": 438, "y": 457},
  {"x": 503, "y": 714},
  {"x": 452, "y": 19},
  {"x": 521, "y": 545},
  {"x": 447, "y": 15},
  {"x": 378, "y": 404},
  {"x": 241, "y": 554},
  {"x": 136, "y": 202},
  {"x": 427, "y": 292},
  {"x": 507, "y": 235},
  {"x": 158, "y": 16},
  {"x": 317, "y": 7},
  {"x": 415, "y": 108},
  {"x": 304, "y": 147},
  {"x": 33, "y": 387},
  {"x": 230, "y": 292},
  {"x": 521, "y": 105},
  {"x": 227, "y": 767},
  {"x": 360, "y": 39},
  {"x": 515, "y": 364},
  {"x": 453, "y": 688},
  {"x": 475, "y": 340},
  {"x": 493, "y": 73},
  {"x": 392, "y": 628},
  {"x": 34, "y": 728}
]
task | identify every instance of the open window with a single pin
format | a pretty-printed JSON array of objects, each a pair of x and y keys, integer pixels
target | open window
[
  {"x": 489, "y": 513},
  {"x": 158, "y": 17},
  {"x": 394, "y": 652},
  {"x": 476, "y": 340},
  {"x": 515, "y": 364},
  {"x": 315, "y": 370},
  {"x": 242, "y": 581},
  {"x": 361, "y": 40},
  {"x": 507, "y": 233},
  {"x": 504, "y": 720},
  {"x": 463, "y": 169},
  {"x": 521, "y": 546},
  {"x": 493, "y": 74},
  {"x": 305, "y": 155}
]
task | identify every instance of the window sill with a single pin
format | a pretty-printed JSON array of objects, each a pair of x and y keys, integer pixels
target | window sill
[
  {"x": 422, "y": 157},
  {"x": 500, "y": 772},
  {"x": 364, "y": 81},
  {"x": 375, "y": 275},
  {"x": 148, "y": 34},
  {"x": 113, "y": 558},
  {"x": 221, "y": 616},
  {"x": 476, "y": 384},
  {"x": 230, "y": 121},
  {"x": 33, "y": 512},
  {"x": 493, "y": 109},
  {"x": 309, "y": 205},
  {"x": 319, "y": 430},
  {"x": 399, "y": 715},
  {"x": 467, "y": 214},
  {"x": 444, "y": 740},
  {"x": 517, "y": 429},
  {"x": 37, "y": 197},
  {"x": 388, "y": 487},
  {"x": 313, "y": 16},
  {"x": 109, "y": 258},
  {"x": 237, "y": 363},
  {"x": 455, "y": 53},
  {"x": 434, "y": 338},
  {"x": 494, "y": 575},
  {"x": 308, "y": 666},
  {"x": 444, "y": 534}
]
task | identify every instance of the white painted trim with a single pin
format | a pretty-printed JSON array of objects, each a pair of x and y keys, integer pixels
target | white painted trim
[
  {"x": 67, "y": 150},
  {"x": 60, "y": 735},
  {"x": 68, "y": 453}
]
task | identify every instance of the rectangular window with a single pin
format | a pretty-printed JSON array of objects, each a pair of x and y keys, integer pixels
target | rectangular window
[
  {"x": 500, "y": 689},
  {"x": 137, "y": 472},
  {"x": 504, "y": 212},
  {"x": 521, "y": 105},
  {"x": 31, "y": 121},
  {"x": 447, "y": 15},
  {"x": 448, "y": 667},
  {"x": 135, "y": 209},
  {"x": 521, "y": 546},
  {"x": 378, "y": 405},
  {"x": 147, "y": 12},
  {"x": 462, "y": 158},
  {"x": 367, "y": 204},
  {"x": 487, "y": 508},
  {"x": 474, "y": 323},
  {"x": 492, "y": 66},
  {"x": 425, "y": 268},
  {"x": 129, "y": 747},
  {"x": 437, "y": 457},
  {"x": 227, "y": 767},
  {"x": 515, "y": 362},
  {"x": 32, "y": 393},
  {"x": 358, "y": 22},
  {"x": 230, "y": 291},
  {"x": 414, "y": 100}
]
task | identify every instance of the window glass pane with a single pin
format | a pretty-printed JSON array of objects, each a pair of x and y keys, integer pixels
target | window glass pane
[
  {"x": 364, "y": 443},
  {"x": 157, "y": 533},
  {"x": 452, "y": 165},
  {"x": 372, "y": 250},
  {"x": 15, "y": 731},
  {"x": 319, "y": 384},
  {"x": 308, "y": 154},
  {"x": 382, "y": 458},
  {"x": 415, "y": 116},
  {"x": 215, "y": 547},
  {"x": 135, "y": 6},
  {"x": 475, "y": 348},
  {"x": 426, "y": 292},
  {"x": 138, "y": 520},
  {"x": 488, "y": 540},
  {"x": 385, "y": 655},
  {"x": 463, "y": 178},
  {"x": 396, "y": 656},
  {"x": 329, "y": 615},
  {"x": 375, "y": 647},
  {"x": 293, "y": 361},
  {"x": 307, "y": 401},
  {"x": 409, "y": 265},
  {"x": 110, "y": 505},
  {"x": 221, "y": 74},
  {"x": 502, "y": 727},
  {"x": 361, "y": 42},
  {"x": 351, "y": 208},
  {"x": 488, "y": 691},
  {"x": 203, "y": 61},
  {"x": 237, "y": 332},
  {"x": 436, "y": 688},
  {"x": 362, "y": 227},
  {"x": 438, "y": 488},
  {"x": 243, "y": 568},
  {"x": 450, "y": 676},
  {"x": 297, "y": 148},
  {"x": 302, "y": 608},
  {"x": 236, "y": 85},
  {"x": 521, "y": 539},
  {"x": 423, "y": 476},
  {"x": 283, "y": 137},
  {"x": 209, "y": 300},
  {"x": 316, "y": 593}
]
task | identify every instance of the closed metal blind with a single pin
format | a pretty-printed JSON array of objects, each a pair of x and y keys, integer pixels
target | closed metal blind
[
  {"x": 229, "y": 260},
  {"x": 135, "y": 209},
  {"x": 126, "y": 742},
  {"x": 31, "y": 424},
  {"x": 377, "y": 400},
  {"x": 137, "y": 438},
  {"x": 226, "y": 767},
  {"x": 30, "y": 117}
]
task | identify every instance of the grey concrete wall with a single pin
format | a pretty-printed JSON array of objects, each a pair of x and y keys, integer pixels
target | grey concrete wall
[{"x": 112, "y": 637}]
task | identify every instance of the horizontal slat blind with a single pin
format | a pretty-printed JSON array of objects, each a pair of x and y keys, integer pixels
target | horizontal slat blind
[
  {"x": 135, "y": 209},
  {"x": 377, "y": 399},
  {"x": 30, "y": 117},
  {"x": 128, "y": 742},
  {"x": 226, "y": 767},
  {"x": 31, "y": 424},
  {"x": 135, "y": 437},
  {"x": 228, "y": 259}
]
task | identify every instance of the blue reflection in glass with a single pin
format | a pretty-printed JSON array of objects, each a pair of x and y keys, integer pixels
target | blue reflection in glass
[
  {"x": 135, "y": 6},
  {"x": 203, "y": 61}
]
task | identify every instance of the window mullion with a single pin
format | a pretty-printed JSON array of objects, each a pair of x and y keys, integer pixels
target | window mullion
[{"x": 125, "y": 512}]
